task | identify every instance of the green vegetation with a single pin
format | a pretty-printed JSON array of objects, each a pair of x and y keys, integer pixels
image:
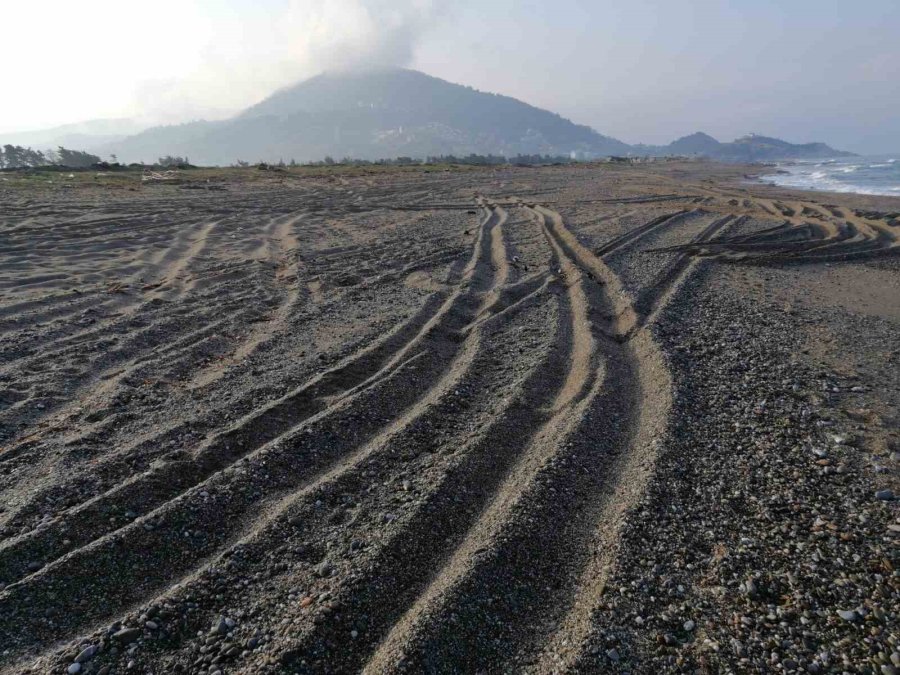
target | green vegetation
[{"x": 17, "y": 157}]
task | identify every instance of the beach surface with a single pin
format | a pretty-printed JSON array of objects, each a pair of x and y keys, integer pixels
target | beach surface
[{"x": 587, "y": 418}]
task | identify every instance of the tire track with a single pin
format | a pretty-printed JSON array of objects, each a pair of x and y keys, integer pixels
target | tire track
[
  {"x": 145, "y": 491},
  {"x": 135, "y": 550},
  {"x": 809, "y": 234},
  {"x": 633, "y": 234},
  {"x": 503, "y": 586}
]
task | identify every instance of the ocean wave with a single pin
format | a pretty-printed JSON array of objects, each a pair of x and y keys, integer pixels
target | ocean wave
[{"x": 821, "y": 181}]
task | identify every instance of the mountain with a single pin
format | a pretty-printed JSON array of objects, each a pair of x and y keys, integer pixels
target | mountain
[
  {"x": 695, "y": 144},
  {"x": 372, "y": 115},
  {"x": 755, "y": 148},
  {"x": 750, "y": 148},
  {"x": 80, "y": 135},
  {"x": 385, "y": 114}
]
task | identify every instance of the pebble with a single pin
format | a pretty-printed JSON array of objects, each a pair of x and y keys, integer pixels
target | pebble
[
  {"x": 689, "y": 626},
  {"x": 885, "y": 495},
  {"x": 74, "y": 668},
  {"x": 86, "y": 654},
  {"x": 848, "y": 614},
  {"x": 220, "y": 626},
  {"x": 127, "y": 635}
]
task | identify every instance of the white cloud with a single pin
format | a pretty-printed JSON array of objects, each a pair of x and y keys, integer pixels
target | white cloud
[
  {"x": 247, "y": 58},
  {"x": 174, "y": 60}
]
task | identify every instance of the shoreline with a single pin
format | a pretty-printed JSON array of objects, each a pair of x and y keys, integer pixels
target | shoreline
[{"x": 862, "y": 175}]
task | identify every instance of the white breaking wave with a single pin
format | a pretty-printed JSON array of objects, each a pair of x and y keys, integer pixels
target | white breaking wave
[{"x": 876, "y": 177}]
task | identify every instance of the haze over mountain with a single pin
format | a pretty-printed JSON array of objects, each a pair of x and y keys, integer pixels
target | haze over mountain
[
  {"x": 642, "y": 72},
  {"x": 90, "y": 133},
  {"x": 386, "y": 113},
  {"x": 397, "y": 112},
  {"x": 749, "y": 148},
  {"x": 372, "y": 115}
]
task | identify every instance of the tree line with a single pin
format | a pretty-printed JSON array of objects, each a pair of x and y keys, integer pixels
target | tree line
[
  {"x": 18, "y": 157},
  {"x": 471, "y": 159}
]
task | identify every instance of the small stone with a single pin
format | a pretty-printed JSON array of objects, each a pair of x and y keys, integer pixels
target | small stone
[
  {"x": 34, "y": 566},
  {"x": 750, "y": 588},
  {"x": 613, "y": 655},
  {"x": 888, "y": 669},
  {"x": 689, "y": 626},
  {"x": 848, "y": 614},
  {"x": 220, "y": 627},
  {"x": 354, "y": 634},
  {"x": 885, "y": 495},
  {"x": 152, "y": 625},
  {"x": 127, "y": 635},
  {"x": 86, "y": 654},
  {"x": 324, "y": 570},
  {"x": 74, "y": 668}
]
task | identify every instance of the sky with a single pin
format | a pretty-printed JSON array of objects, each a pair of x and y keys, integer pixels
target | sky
[{"x": 638, "y": 70}]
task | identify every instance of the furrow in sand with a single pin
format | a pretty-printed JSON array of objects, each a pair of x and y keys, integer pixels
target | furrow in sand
[
  {"x": 452, "y": 476},
  {"x": 669, "y": 280},
  {"x": 420, "y": 444},
  {"x": 84, "y": 384},
  {"x": 283, "y": 252},
  {"x": 833, "y": 234},
  {"x": 417, "y": 636},
  {"x": 636, "y": 233},
  {"x": 113, "y": 469},
  {"x": 514, "y": 576},
  {"x": 146, "y": 491},
  {"x": 264, "y": 424},
  {"x": 147, "y": 553},
  {"x": 130, "y": 300}
]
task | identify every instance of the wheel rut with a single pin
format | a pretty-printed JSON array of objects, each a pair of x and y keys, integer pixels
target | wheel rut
[
  {"x": 336, "y": 400},
  {"x": 514, "y": 574}
]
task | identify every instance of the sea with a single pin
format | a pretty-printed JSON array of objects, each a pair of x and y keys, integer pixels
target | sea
[{"x": 878, "y": 175}]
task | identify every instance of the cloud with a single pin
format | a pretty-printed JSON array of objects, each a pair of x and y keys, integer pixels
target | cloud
[{"x": 246, "y": 58}]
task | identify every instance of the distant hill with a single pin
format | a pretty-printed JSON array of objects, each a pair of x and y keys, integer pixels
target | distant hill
[
  {"x": 753, "y": 148},
  {"x": 750, "y": 148},
  {"x": 372, "y": 115},
  {"x": 695, "y": 144},
  {"x": 385, "y": 114},
  {"x": 80, "y": 135}
]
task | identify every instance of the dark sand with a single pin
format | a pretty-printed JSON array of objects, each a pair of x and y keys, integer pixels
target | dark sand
[{"x": 564, "y": 419}]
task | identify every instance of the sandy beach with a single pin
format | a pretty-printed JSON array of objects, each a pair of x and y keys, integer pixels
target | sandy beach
[{"x": 582, "y": 418}]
